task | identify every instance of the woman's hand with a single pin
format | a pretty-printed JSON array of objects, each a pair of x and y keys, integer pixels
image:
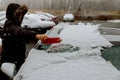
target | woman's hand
[{"x": 41, "y": 37}]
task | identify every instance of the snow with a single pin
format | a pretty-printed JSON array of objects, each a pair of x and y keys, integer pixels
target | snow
[
  {"x": 31, "y": 20},
  {"x": 34, "y": 21},
  {"x": 80, "y": 36},
  {"x": 8, "y": 68},
  {"x": 83, "y": 64},
  {"x": 68, "y": 17},
  {"x": 114, "y": 21},
  {"x": 112, "y": 37}
]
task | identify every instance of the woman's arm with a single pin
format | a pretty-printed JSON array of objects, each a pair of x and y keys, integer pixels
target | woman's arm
[{"x": 28, "y": 35}]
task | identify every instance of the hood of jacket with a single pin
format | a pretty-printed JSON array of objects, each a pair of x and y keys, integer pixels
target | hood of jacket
[{"x": 16, "y": 12}]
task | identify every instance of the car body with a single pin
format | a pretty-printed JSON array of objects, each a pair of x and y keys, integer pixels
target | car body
[
  {"x": 68, "y": 59},
  {"x": 32, "y": 22}
]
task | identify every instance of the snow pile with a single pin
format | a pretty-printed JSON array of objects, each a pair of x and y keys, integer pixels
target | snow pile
[
  {"x": 9, "y": 69},
  {"x": 114, "y": 21},
  {"x": 68, "y": 17},
  {"x": 83, "y": 64}
]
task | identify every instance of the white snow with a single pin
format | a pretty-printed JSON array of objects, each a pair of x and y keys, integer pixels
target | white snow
[
  {"x": 34, "y": 21},
  {"x": 68, "y": 17},
  {"x": 114, "y": 21},
  {"x": 9, "y": 69},
  {"x": 83, "y": 64},
  {"x": 31, "y": 20}
]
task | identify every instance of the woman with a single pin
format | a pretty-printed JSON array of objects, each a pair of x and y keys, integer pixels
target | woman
[{"x": 14, "y": 37}]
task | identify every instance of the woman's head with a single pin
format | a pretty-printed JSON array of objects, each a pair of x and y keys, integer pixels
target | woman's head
[{"x": 16, "y": 12}]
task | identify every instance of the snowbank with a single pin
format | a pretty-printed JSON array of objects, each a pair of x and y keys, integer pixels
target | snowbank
[
  {"x": 83, "y": 64},
  {"x": 114, "y": 21},
  {"x": 68, "y": 17}
]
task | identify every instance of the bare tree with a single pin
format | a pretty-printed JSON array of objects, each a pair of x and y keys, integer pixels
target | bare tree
[{"x": 79, "y": 9}]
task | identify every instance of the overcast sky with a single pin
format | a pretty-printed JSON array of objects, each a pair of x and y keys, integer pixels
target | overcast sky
[{"x": 55, "y": 4}]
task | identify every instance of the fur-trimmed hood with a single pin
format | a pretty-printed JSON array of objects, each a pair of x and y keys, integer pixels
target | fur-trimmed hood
[{"x": 16, "y": 12}]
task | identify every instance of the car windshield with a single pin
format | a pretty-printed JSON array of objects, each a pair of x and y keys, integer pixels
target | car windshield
[{"x": 72, "y": 42}]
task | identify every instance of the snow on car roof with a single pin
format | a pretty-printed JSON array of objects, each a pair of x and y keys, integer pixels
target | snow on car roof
[
  {"x": 31, "y": 20},
  {"x": 68, "y": 16}
]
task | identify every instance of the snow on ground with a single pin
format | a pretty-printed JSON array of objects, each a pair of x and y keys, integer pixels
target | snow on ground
[
  {"x": 82, "y": 64},
  {"x": 114, "y": 21},
  {"x": 68, "y": 17},
  {"x": 112, "y": 37}
]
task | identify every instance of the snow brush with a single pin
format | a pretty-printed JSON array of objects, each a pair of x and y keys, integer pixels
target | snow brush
[{"x": 52, "y": 40}]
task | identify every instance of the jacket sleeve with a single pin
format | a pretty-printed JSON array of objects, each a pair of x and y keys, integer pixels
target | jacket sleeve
[{"x": 23, "y": 34}]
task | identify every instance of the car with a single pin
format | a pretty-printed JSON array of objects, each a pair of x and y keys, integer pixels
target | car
[
  {"x": 31, "y": 22},
  {"x": 77, "y": 56},
  {"x": 68, "y": 17}
]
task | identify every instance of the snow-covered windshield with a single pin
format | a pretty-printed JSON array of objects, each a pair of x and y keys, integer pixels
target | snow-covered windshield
[
  {"x": 64, "y": 64},
  {"x": 76, "y": 38}
]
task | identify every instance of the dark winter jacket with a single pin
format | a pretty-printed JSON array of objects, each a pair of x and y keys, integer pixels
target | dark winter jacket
[{"x": 14, "y": 37}]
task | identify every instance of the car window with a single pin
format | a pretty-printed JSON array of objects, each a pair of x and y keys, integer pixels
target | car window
[{"x": 43, "y": 46}]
